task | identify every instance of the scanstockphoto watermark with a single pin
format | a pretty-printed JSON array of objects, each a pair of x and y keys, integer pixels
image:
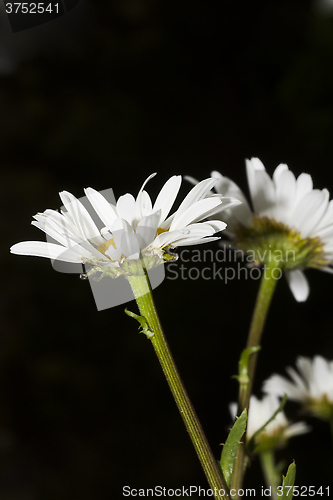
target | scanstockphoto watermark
[
  {"x": 283, "y": 491},
  {"x": 216, "y": 272},
  {"x": 83, "y": 235},
  {"x": 227, "y": 254},
  {"x": 183, "y": 492},
  {"x": 246, "y": 265}
]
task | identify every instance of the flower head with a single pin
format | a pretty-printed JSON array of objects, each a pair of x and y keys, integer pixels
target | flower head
[
  {"x": 290, "y": 220},
  {"x": 134, "y": 228},
  {"x": 312, "y": 386},
  {"x": 277, "y": 432}
]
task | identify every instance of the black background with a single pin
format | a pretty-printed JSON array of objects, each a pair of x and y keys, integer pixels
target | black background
[{"x": 104, "y": 97}]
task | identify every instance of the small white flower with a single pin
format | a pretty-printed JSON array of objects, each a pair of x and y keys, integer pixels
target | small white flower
[
  {"x": 277, "y": 432},
  {"x": 134, "y": 227},
  {"x": 312, "y": 386},
  {"x": 288, "y": 216}
]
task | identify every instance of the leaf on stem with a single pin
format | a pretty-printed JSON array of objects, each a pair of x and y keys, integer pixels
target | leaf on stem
[
  {"x": 230, "y": 447},
  {"x": 143, "y": 323},
  {"x": 243, "y": 364},
  {"x": 288, "y": 482}
]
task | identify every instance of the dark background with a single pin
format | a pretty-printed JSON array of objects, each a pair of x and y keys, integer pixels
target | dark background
[{"x": 103, "y": 97}]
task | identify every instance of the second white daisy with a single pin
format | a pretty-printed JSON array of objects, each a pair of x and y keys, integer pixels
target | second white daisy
[{"x": 290, "y": 220}]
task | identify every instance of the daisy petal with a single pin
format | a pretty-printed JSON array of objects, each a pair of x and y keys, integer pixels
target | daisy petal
[
  {"x": 196, "y": 241},
  {"x": 298, "y": 284},
  {"x": 228, "y": 188},
  {"x": 218, "y": 225},
  {"x": 327, "y": 220},
  {"x": 143, "y": 205},
  {"x": 326, "y": 269},
  {"x": 46, "y": 225},
  {"x": 147, "y": 180},
  {"x": 278, "y": 385},
  {"x": 167, "y": 196},
  {"x": 80, "y": 215},
  {"x": 278, "y": 171},
  {"x": 125, "y": 239},
  {"x": 309, "y": 211},
  {"x": 197, "y": 193},
  {"x": 146, "y": 229},
  {"x": 261, "y": 187},
  {"x": 285, "y": 195},
  {"x": 44, "y": 249},
  {"x": 196, "y": 212},
  {"x": 102, "y": 207},
  {"x": 304, "y": 185},
  {"x": 126, "y": 208},
  {"x": 167, "y": 238}
]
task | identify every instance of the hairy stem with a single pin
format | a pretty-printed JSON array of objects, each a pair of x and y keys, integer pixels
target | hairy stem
[{"x": 142, "y": 293}]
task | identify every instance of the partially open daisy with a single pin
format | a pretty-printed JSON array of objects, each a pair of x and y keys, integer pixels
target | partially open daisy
[
  {"x": 135, "y": 229},
  {"x": 312, "y": 386},
  {"x": 277, "y": 432},
  {"x": 290, "y": 221}
]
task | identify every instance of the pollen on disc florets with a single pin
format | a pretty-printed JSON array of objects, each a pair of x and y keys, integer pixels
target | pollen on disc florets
[{"x": 268, "y": 239}]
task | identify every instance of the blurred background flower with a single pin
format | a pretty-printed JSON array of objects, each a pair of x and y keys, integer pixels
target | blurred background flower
[
  {"x": 103, "y": 97},
  {"x": 277, "y": 432},
  {"x": 311, "y": 386}
]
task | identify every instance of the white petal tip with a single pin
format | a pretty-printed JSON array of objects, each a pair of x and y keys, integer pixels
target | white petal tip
[{"x": 298, "y": 285}]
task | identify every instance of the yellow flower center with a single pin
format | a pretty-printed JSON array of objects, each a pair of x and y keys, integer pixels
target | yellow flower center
[{"x": 103, "y": 247}]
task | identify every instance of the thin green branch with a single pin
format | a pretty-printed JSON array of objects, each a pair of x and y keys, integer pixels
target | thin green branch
[
  {"x": 268, "y": 283},
  {"x": 142, "y": 293}
]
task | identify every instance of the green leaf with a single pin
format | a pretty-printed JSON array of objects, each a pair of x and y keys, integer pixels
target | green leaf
[
  {"x": 243, "y": 364},
  {"x": 288, "y": 483},
  {"x": 252, "y": 443},
  {"x": 143, "y": 323},
  {"x": 230, "y": 447}
]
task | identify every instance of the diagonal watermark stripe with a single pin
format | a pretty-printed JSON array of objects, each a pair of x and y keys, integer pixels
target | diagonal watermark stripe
[{"x": 108, "y": 291}]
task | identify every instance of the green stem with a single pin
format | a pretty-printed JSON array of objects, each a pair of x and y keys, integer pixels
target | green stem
[
  {"x": 264, "y": 297},
  {"x": 271, "y": 475},
  {"x": 142, "y": 293}
]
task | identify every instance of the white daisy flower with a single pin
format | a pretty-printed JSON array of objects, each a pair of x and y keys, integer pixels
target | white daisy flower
[
  {"x": 312, "y": 386},
  {"x": 290, "y": 220},
  {"x": 277, "y": 432},
  {"x": 134, "y": 227}
]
